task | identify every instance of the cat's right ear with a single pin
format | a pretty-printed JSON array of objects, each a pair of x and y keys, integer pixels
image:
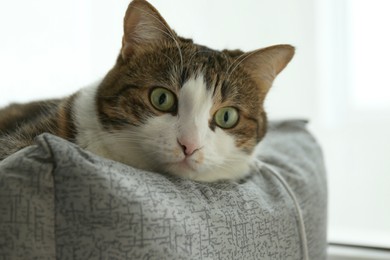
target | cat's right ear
[{"x": 143, "y": 25}]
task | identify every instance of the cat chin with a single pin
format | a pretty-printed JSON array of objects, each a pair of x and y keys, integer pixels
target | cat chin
[
  {"x": 212, "y": 174},
  {"x": 216, "y": 175}
]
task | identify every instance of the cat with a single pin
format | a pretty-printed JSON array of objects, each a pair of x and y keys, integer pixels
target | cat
[{"x": 168, "y": 105}]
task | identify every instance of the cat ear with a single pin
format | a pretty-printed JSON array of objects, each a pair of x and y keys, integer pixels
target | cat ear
[
  {"x": 143, "y": 25},
  {"x": 265, "y": 64}
]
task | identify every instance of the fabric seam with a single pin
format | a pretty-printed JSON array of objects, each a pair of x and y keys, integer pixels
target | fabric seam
[{"x": 298, "y": 210}]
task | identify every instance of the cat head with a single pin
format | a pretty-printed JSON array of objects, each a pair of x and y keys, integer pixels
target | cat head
[{"x": 173, "y": 106}]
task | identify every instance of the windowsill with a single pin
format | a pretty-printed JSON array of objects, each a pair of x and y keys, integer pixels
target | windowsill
[
  {"x": 359, "y": 237},
  {"x": 345, "y": 252}
]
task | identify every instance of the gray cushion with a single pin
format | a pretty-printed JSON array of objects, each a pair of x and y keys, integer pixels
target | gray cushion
[{"x": 59, "y": 201}]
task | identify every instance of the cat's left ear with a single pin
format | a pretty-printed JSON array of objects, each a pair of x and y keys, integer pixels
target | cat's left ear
[
  {"x": 265, "y": 64},
  {"x": 143, "y": 25}
]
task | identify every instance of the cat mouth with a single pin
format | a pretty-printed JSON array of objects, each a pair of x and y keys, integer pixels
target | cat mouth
[
  {"x": 183, "y": 165},
  {"x": 186, "y": 164}
]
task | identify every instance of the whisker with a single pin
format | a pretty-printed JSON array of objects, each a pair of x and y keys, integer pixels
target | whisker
[{"x": 240, "y": 60}]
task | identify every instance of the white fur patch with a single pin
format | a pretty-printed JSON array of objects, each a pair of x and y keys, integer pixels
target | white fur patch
[
  {"x": 86, "y": 116},
  {"x": 90, "y": 133}
]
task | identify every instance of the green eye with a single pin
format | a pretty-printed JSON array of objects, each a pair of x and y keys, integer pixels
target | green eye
[
  {"x": 163, "y": 99},
  {"x": 226, "y": 117}
]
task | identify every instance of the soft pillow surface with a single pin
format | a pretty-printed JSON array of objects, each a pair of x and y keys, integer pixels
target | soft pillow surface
[{"x": 58, "y": 201}]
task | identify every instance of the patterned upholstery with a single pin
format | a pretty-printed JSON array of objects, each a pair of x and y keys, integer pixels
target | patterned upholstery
[{"x": 58, "y": 201}]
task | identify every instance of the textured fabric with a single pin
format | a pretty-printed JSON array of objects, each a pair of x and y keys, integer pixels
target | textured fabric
[
  {"x": 27, "y": 212},
  {"x": 59, "y": 201}
]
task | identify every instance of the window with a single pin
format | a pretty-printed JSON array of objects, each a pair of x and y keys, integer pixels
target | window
[
  {"x": 369, "y": 56},
  {"x": 354, "y": 123}
]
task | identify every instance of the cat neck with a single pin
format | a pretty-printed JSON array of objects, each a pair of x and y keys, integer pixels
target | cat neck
[{"x": 89, "y": 130}]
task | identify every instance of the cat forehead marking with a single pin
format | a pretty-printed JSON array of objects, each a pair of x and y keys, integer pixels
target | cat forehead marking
[
  {"x": 194, "y": 95},
  {"x": 195, "y": 102}
]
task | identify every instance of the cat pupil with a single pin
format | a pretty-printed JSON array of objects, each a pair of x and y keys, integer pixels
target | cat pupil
[
  {"x": 226, "y": 116},
  {"x": 162, "y": 99}
]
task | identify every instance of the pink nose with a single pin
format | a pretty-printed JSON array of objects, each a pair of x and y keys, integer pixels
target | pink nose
[{"x": 188, "y": 147}]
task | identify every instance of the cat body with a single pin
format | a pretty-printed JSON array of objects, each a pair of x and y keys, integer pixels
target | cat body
[{"x": 168, "y": 105}]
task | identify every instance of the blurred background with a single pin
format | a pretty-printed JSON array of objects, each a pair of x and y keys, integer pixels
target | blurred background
[{"x": 339, "y": 78}]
